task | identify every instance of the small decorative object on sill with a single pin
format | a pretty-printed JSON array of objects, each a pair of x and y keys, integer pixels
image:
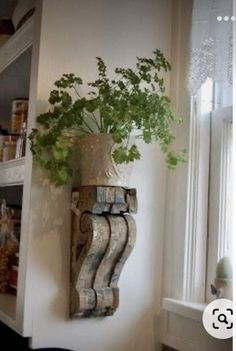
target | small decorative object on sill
[
  {"x": 6, "y": 30},
  {"x": 223, "y": 287},
  {"x": 103, "y": 236}
]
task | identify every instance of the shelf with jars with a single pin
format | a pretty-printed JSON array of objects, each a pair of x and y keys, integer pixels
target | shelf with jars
[
  {"x": 15, "y": 66},
  {"x": 15, "y": 75}
]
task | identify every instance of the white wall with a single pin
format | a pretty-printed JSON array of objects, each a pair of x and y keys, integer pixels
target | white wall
[{"x": 74, "y": 32}]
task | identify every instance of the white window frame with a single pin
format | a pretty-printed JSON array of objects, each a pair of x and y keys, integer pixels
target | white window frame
[
  {"x": 207, "y": 213},
  {"x": 220, "y": 188},
  {"x": 195, "y": 249}
]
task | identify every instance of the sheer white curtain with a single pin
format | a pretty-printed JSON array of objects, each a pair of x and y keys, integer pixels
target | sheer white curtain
[{"x": 211, "y": 43}]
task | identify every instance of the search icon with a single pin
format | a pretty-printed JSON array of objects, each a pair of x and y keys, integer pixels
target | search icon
[{"x": 222, "y": 320}]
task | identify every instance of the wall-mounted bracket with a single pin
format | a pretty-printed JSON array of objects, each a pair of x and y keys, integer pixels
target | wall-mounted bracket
[{"x": 103, "y": 235}]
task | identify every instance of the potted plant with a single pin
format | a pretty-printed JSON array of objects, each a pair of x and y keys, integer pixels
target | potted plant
[{"x": 104, "y": 123}]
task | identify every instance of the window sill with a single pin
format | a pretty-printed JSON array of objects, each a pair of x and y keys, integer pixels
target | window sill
[
  {"x": 186, "y": 309},
  {"x": 180, "y": 326}
]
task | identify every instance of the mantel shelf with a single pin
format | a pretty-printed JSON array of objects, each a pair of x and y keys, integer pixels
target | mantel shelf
[
  {"x": 12, "y": 172},
  {"x": 17, "y": 44}
]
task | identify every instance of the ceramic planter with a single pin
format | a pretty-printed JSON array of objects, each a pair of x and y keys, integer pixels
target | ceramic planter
[{"x": 96, "y": 163}]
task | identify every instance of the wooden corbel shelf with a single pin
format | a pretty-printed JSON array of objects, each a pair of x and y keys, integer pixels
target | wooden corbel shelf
[{"x": 103, "y": 236}]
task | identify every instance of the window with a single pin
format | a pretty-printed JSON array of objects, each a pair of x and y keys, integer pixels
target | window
[
  {"x": 208, "y": 215},
  {"x": 198, "y": 210},
  {"x": 195, "y": 202}
]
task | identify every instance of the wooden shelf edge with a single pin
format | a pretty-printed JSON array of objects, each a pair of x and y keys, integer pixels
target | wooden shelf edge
[
  {"x": 17, "y": 44},
  {"x": 12, "y": 172}
]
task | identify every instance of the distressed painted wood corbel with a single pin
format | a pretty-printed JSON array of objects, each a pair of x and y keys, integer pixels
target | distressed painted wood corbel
[{"x": 103, "y": 236}]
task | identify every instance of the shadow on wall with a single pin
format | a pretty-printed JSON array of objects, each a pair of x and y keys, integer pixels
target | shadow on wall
[
  {"x": 11, "y": 341},
  {"x": 143, "y": 327}
]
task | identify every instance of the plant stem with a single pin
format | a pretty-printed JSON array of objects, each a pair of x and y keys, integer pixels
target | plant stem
[
  {"x": 92, "y": 117},
  {"x": 87, "y": 126},
  {"x": 76, "y": 91},
  {"x": 95, "y": 120},
  {"x": 102, "y": 122}
]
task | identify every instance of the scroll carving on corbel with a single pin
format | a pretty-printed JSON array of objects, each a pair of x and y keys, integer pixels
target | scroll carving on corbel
[{"x": 103, "y": 236}]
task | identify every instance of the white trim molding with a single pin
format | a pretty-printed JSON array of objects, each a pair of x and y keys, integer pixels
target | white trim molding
[
  {"x": 176, "y": 192},
  {"x": 225, "y": 186},
  {"x": 220, "y": 195}
]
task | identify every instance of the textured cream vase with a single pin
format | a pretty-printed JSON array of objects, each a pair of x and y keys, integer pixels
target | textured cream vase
[{"x": 96, "y": 164}]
